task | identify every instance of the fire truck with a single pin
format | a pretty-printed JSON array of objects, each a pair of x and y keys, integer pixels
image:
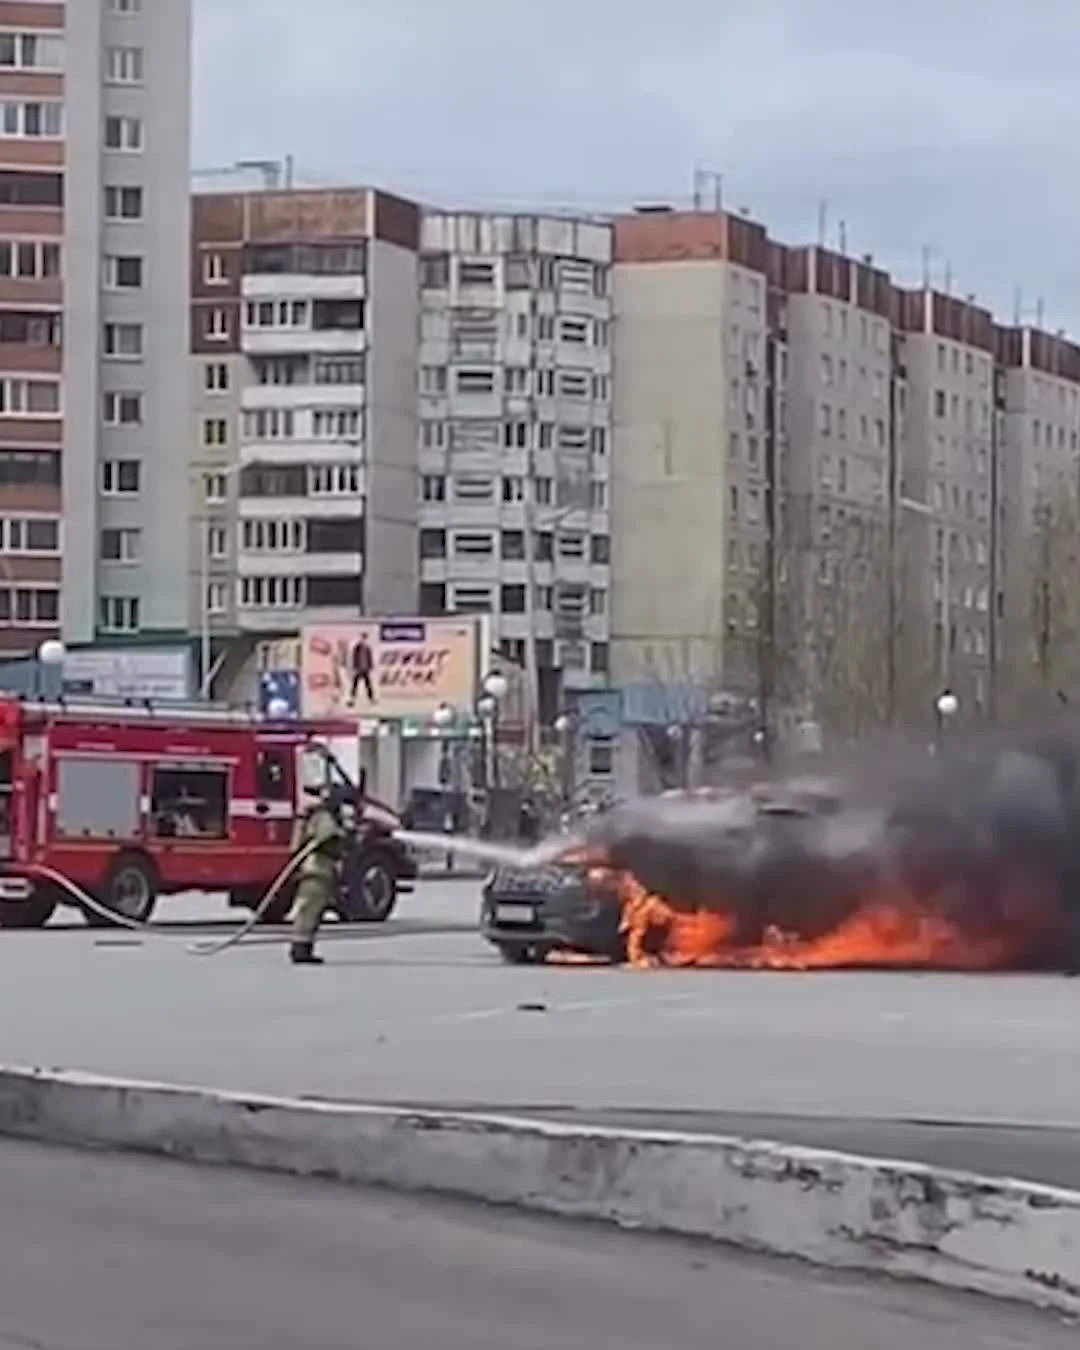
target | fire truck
[{"x": 135, "y": 800}]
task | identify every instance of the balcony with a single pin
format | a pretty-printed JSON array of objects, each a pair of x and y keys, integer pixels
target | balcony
[
  {"x": 300, "y": 286},
  {"x": 301, "y": 341},
  {"x": 263, "y": 564},
  {"x": 303, "y": 396}
]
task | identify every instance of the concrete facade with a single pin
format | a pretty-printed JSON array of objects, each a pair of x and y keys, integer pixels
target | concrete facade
[{"x": 127, "y": 396}]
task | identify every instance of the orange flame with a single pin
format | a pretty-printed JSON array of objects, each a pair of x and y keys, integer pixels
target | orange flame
[{"x": 887, "y": 931}]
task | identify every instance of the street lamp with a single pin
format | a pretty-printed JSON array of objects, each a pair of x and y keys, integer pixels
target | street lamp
[
  {"x": 564, "y": 726},
  {"x": 946, "y": 706},
  {"x": 443, "y": 716},
  {"x": 496, "y": 685},
  {"x": 50, "y": 656}
]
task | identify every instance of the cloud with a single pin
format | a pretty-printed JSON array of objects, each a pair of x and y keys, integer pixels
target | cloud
[{"x": 939, "y": 122}]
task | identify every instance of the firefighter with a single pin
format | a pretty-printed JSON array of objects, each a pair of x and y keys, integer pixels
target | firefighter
[{"x": 317, "y": 887}]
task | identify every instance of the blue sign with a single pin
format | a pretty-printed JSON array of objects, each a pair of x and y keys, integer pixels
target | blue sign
[
  {"x": 279, "y": 693},
  {"x": 402, "y": 632},
  {"x": 598, "y": 713}
]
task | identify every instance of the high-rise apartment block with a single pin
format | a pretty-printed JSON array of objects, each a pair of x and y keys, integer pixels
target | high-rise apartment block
[
  {"x": 515, "y": 401},
  {"x": 94, "y": 130},
  {"x": 304, "y": 334}
]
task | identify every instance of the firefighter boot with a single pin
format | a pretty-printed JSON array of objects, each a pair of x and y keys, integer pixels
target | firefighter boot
[{"x": 304, "y": 954}]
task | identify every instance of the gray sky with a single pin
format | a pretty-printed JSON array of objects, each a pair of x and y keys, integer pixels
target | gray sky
[{"x": 949, "y": 123}]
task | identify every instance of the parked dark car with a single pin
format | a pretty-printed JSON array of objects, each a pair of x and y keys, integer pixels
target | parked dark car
[{"x": 527, "y": 913}]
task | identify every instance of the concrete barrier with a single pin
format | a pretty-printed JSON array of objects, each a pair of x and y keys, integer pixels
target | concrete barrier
[{"x": 1008, "y": 1238}]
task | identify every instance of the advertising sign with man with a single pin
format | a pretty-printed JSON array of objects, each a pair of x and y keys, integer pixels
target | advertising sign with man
[{"x": 388, "y": 668}]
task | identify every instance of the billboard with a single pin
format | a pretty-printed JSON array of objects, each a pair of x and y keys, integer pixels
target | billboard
[{"x": 389, "y": 668}]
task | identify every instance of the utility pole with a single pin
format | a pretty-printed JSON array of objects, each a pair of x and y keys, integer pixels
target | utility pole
[{"x": 767, "y": 620}]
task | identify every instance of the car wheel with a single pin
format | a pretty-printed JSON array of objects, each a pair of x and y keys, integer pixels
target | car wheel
[
  {"x": 130, "y": 890},
  {"x": 521, "y": 954}
]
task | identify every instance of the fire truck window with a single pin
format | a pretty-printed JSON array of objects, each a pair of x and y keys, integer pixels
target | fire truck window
[
  {"x": 273, "y": 776},
  {"x": 190, "y": 803}
]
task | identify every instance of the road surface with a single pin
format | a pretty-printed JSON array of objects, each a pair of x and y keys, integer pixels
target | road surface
[
  {"x": 130, "y": 1254},
  {"x": 432, "y": 1017}
]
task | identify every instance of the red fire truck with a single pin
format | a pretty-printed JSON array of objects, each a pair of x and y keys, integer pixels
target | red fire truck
[{"x": 136, "y": 800}]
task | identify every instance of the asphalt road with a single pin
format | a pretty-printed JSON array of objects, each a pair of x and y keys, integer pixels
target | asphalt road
[
  {"x": 877, "y": 1063},
  {"x": 107, "y": 1253}
]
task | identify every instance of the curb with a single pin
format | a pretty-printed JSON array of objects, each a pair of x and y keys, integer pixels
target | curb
[{"x": 1012, "y": 1239}]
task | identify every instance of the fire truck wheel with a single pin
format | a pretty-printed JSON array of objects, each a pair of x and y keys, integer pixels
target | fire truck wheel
[
  {"x": 375, "y": 893},
  {"x": 130, "y": 888},
  {"x": 33, "y": 912}
]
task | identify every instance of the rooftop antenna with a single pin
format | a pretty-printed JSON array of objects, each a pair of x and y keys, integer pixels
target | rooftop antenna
[
  {"x": 699, "y": 186},
  {"x": 926, "y": 267},
  {"x": 842, "y": 237},
  {"x": 822, "y": 222},
  {"x": 1018, "y": 305},
  {"x": 1040, "y": 313},
  {"x": 947, "y": 279}
]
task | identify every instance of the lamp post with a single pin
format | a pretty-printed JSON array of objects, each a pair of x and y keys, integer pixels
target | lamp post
[
  {"x": 564, "y": 726},
  {"x": 443, "y": 719},
  {"x": 946, "y": 706},
  {"x": 51, "y": 655},
  {"x": 495, "y": 686}
]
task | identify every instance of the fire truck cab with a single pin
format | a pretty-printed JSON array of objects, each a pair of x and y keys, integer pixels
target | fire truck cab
[{"x": 132, "y": 801}]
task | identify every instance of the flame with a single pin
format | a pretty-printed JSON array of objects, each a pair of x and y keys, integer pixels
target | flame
[{"x": 886, "y": 931}]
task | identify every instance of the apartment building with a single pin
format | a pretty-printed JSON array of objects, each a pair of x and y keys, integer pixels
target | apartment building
[
  {"x": 304, "y": 339},
  {"x": 126, "y": 394},
  {"x": 695, "y": 397},
  {"x": 515, "y": 436},
  {"x": 1038, "y": 439},
  {"x": 94, "y": 400},
  {"x": 944, "y": 349}
]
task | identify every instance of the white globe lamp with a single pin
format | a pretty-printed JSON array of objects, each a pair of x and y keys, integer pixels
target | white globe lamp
[
  {"x": 443, "y": 716},
  {"x": 562, "y": 724},
  {"x": 486, "y": 706},
  {"x": 947, "y": 704},
  {"x": 496, "y": 685},
  {"x": 52, "y": 652}
]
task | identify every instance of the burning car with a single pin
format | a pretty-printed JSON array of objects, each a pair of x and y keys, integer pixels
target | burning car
[{"x": 562, "y": 906}]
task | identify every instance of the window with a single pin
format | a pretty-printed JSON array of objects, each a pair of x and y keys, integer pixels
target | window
[
  {"x": 121, "y": 477},
  {"x": 272, "y": 536},
  {"x": 600, "y": 549},
  {"x": 124, "y": 134},
  {"x": 333, "y": 480},
  {"x": 122, "y": 409},
  {"x": 123, "y": 203},
  {"x": 474, "y": 488},
  {"x": 433, "y": 543},
  {"x": 216, "y": 377},
  {"x": 123, "y": 65},
  {"x": 31, "y": 51},
  {"x": 123, "y": 272},
  {"x": 217, "y": 541},
  {"x": 432, "y": 488},
  {"x": 120, "y": 545},
  {"x": 125, "y": 7},
  {"x": 512, "y": 546},
  {"x": 36, "y": 468},
  {"x": 512, "y": 599},
  {"x": 31, "y": 534},
  {"x": 571, "y": 546},
  {"x": 214, "y": 273},
  {"x": 433, "y": 435},
  {"x": 433, "y": 380},
  {"x": 516, "y": 435},
  {"x": 118, "y": 614},
  {"x": 573, "y": 330},
  {"x": 124, "y": 341},
  {"x": 331, "y": 424},
  {"x": 476, "y": 273},
  {"x": 337, "y": 370},
  {"x": 218, "y": 325},
  {"x": 471, "y": 600},
  {"x": 29, "y": 260},
  {"x": 277, "y": 314},
  {"x": 217, "y": 597},
  {"x": 574, "y": 384},
  {"x": 269, "y": 424},
  {"x": 215, "y": 487},
  {"x": 215, "y": 431},
  {"x": 32, "y": 606},
  {"x": 474, "y": 545},
  {"x": 271, "y": 592},
  {"x": 29, "y": 398},
  {"x": 29, "y": 188},
  {"x": 35, "y": 120},
  {"x": 475, "y": 381}
]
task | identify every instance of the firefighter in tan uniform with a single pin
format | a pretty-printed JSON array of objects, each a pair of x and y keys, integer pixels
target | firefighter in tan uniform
[{"x": 317, "y": 888}]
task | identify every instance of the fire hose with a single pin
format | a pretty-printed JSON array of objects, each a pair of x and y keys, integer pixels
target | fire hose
[{"x": 115, "y": 918}]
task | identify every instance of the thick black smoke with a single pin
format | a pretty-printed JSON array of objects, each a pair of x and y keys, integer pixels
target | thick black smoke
[{"x": 985, "y": 833}]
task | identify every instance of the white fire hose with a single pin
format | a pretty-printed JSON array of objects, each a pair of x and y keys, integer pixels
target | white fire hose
[{"x": 115, "y": 918}]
